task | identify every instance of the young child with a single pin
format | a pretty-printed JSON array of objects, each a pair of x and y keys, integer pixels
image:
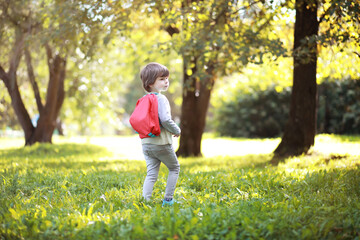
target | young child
[{"x": 157, "y": 150}]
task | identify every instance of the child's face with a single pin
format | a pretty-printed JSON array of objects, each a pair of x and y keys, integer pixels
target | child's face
[{"x": 160, "y": 84}]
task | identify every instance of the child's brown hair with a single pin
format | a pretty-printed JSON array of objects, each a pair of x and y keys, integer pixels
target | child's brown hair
[{"x": 151, "y": 72}]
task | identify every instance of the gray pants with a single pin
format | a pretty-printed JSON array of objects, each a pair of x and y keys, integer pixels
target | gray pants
[{"x": 154, "y": 156}]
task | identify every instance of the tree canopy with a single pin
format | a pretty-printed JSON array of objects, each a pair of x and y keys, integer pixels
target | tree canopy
[
  {"x": 103, "y": 45},
  {"x": 56, "y": 30}
]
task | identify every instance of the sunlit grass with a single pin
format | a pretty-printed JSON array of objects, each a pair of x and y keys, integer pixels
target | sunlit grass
[
  {"x": 91, "y": 187},
  {"x": 11, "y": 142},
  {"x": 335, "y": 144}
]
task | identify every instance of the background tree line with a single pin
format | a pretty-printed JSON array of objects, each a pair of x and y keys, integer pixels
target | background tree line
[
  {"x": 263, "y": 113},
  {"x": 93, "y": 50}
]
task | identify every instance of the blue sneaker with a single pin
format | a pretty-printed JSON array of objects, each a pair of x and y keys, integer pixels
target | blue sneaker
[{"x": 168, "y": 202}]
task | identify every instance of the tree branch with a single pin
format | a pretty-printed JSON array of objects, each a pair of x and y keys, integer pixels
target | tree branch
[
  {"x": 266, "y": 23},
  {"x": 56, "y": 68},
  {"x": 33, "y": 80},
  {"x": 49, "y": 56},
  {"x": 16, "y": 55},
  {"x": 13, "y": 88},
  {"x": 171, "y": 30},
  {"x": 61, "y": 91},
  {"x": 4, "y": 76},
  {"x": 246, "y": 7},
  {"x": 322, "y": 17}
]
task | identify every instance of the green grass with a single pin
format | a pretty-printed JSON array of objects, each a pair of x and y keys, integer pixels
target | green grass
[{"x": 90, "y": 188}]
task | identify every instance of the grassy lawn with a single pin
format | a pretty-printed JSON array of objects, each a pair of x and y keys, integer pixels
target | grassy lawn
[{"x": 90, "y": 188}]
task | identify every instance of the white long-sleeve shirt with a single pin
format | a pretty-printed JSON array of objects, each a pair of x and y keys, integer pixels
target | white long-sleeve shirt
[{"x": 167, "y": 125}]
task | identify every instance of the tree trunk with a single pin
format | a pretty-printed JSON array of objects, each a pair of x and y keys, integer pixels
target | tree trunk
[
  {"x": 10, "y": 80},
  {"x": 59, "y": 127},
  {"x": 55, "y": 92},
  {"x": 299, "y": 133},
  {"x": 196, "y": 98},
  {"x": 54, "y": 100},
  {"x": 18, "y": 105}
]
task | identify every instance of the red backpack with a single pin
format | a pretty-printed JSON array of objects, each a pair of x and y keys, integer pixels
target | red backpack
[{"x": 145, "y": 118}]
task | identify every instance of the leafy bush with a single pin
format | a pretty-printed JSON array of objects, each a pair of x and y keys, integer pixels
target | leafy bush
[
  {"x": 259, "y": 114},
  {"x": 264, "y": 114},
  {"x": 339, "y": 107}
]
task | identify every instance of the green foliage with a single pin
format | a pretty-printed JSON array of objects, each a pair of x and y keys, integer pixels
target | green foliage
[
  {"x": 138, "y": 53},
  {"x": 339, "y": 22},
  {"x": 98, "y": 92},
  {"x": 339, "y": 108},
  {"x": 217, "y": 37},
  {"x": 69, "y": 29},
  {"x": 256, "y": 114},
  {"x": 73, "y": 191},
  {"x": 264, "y": 113}
]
